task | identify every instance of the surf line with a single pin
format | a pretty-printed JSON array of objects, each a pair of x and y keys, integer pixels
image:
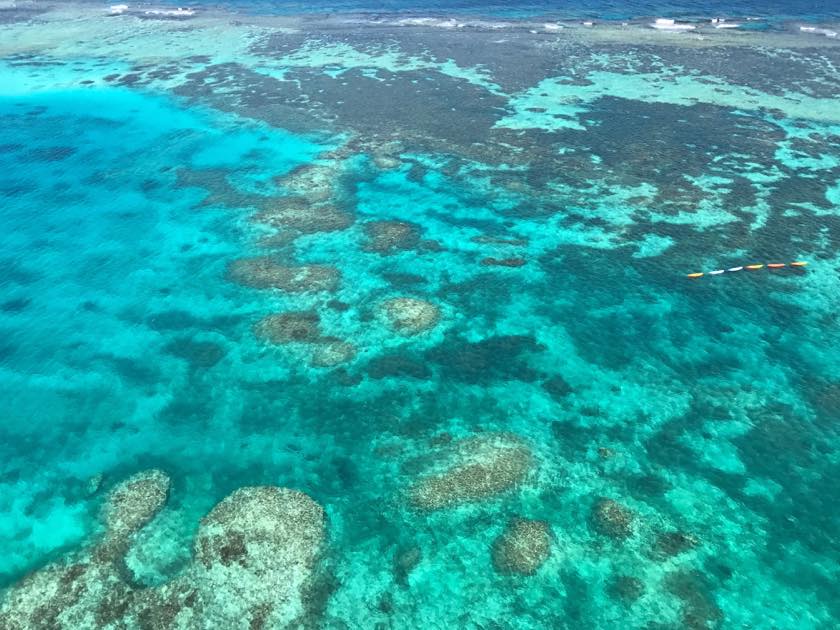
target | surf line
[{"x": 756, "y": 267}]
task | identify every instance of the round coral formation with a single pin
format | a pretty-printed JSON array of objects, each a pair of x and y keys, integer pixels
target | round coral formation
[
  {"x": 254, "y": 557},
  {"x": 290, "y": 327},
  {"x": 264, "y": 272},
  {"x": 388, "y": 237},
  {"x": 315, "y": 182},
  {"x": 332, "y": 353},
  {"x": 473, "y": 469},
  {"x": 134, "y": 502},
  {"x": 523, "y": 547},
  {"x": 303, "y": 216},
  {"x": 410, "y": 316},
  {"x": 612, "y": 519},
  {"x": 255, "y": 551}
]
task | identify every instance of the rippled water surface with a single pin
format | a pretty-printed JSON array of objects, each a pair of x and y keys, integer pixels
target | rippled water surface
[{"x": 428, "y": 268}]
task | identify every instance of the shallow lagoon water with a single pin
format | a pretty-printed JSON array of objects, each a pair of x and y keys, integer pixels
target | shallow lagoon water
[{"x": 168, "y": 185}]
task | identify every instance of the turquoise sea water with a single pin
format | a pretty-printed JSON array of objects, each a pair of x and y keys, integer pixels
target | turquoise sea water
[{"x": 542, "y": 191}]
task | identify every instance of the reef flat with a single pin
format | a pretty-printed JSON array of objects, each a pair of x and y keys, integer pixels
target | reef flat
[{"x": 354, "y": 321}]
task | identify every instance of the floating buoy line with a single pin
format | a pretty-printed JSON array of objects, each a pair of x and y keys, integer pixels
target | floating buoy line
[{"x": 755, "y": 267}]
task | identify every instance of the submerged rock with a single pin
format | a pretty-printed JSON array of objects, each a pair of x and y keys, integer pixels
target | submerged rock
[
  {"x": 263, "y": 272},
  {"x": 410, "y": 316},
  {"x": 474, "y": 469},
  {"x": 290, "y": 327},
  {"x": 255, "y": 552},
  {"x": 523, "y": 547},
  {"x": 612, "y": 519}
]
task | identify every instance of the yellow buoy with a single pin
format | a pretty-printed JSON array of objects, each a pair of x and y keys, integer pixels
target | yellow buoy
[
  {"x": 798, "y": 263},
  {"x": 695, "y": 275},
  {"x": 754, "y": 266}
]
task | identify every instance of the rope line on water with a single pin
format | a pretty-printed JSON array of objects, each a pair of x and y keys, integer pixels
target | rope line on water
[{"x": 755, "y": 267}]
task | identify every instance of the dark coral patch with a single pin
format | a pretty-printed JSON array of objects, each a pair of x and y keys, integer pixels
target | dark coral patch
[
  {"x": 626, "y": 589},
  {"x": 503, "y": 262},
  {"x": 699, "y": 609},
  {"x": 388, "y": 237},
  {"x": 398, "y": 366},
  {"x": 670, "y": 544},
  {"x": 200, "y": 354},
  {"x": 299, "y": 214},
  {"x": 266, "y": 273},
  {"x": 612, "y": 519},
  {"x": 499, "y": 240},
  {"x": 501, "y": 357},
  {"x": 557, "y": 387},
  {"x": 290, "y": 327}
]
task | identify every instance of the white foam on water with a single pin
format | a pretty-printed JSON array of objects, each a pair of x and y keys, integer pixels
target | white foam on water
[
  {"x": 179, "y": 12},
  {"x": 667, "y": 24},
  {"x": 818, "y": 31}
]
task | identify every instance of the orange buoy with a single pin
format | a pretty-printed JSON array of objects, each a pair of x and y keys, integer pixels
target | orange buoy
[
  {"x": 775, "y": 265},
  {"x": 753, "y": 267},
  {"x": 695, "y": 275},
  {"x": 798, "y": 263}
]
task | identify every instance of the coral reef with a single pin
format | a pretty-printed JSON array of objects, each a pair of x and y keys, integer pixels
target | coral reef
[
  {"x": 410, "y": 316},
  {"x": 557, "y": 387},
  {"x": 133, "y": 503},
  {"x": 503, "y": 262},
  {"x": 254, "y": 554},
  {"x": 670, "y": 544},
  {"x": 473, "y": 469},
  {"x": 405, "y": 561},
  {"x": 290, "y": 327},
  {"x": 626, "y": 588},
  {"x": 332, "y": 352},
  {"x": 387, "y": 237},
  {"x": 300, "y": 215},
  {"x": 523, "y": 547},
  {"x": 316, "y": 182},
  {"x": 612, "y": 519},
  {"x": 86, "y": 592},
  {"x": 200, "y": 354},
  {"x": 501, "y": 357},
  {"x": 398, "y": 366},
  {"x": 699, "y": 609},
  {"x": 263, "y": 272},
  {"x": 254, "y": 557}
]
